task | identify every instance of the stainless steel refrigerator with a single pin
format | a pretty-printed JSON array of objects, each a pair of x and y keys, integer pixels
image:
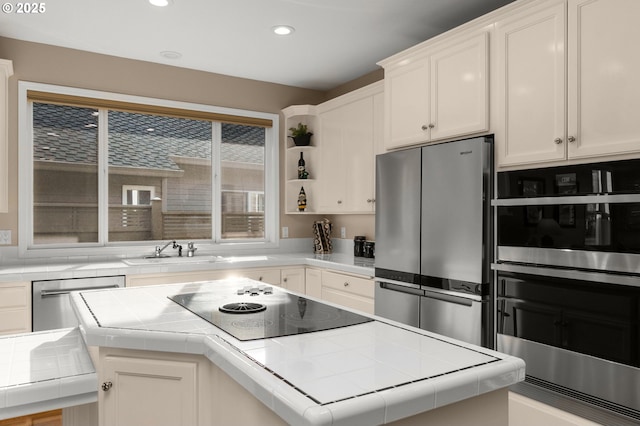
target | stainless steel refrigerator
[{"x": 433, "y": 238}]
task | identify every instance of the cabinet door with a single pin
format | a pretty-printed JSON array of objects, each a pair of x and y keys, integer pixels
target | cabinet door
[
  {"x": 293, "y": 279},
  {"x": 459, "y": 89},
  {"x": 148, "y": 392},
  {"x": 604, "y": 77},
  {"x": 407, "y": 104},
  {"x": 333, "y": 191},
  {"x": 15, "y": 307},
  {"x": 531, "y": 91},
  {"x": 347, "y": 157},
  {"x": 358, "y": 146},
  {"x": 313, "y": 283},
  {"x": 6, "y": 71}
]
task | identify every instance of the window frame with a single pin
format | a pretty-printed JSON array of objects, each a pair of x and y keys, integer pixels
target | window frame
[{"x": 103, "y": 247}]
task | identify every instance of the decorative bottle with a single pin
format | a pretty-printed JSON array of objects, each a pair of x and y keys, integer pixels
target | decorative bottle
[{"x": 302, "y": 173}]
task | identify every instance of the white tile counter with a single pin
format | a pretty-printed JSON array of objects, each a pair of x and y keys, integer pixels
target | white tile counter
[
  {"x": 44, "y": 371},
  {"x": 64, "y": 268},
  {"x": 374, "y": 372}
]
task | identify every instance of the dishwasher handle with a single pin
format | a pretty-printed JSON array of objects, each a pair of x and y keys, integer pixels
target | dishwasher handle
[{"x": 48, "y": 293}]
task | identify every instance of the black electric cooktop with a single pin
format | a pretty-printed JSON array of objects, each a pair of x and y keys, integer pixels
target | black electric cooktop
[{"x": 263, "y": 311}]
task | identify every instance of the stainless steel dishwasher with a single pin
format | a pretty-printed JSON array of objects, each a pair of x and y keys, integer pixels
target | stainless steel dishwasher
[{"x": 51, "y": 307}]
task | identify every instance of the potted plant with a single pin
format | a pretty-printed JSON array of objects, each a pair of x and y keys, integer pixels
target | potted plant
[{"x": 300, "y": 135}]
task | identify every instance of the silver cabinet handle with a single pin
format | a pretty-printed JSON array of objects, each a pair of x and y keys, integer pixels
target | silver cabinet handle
[
  {"x": 558, "y": 141},
  {"x": 106, "y": 386},
  {"x": 346, "y": 284},
  {"x": 431, "y": 125},
  {"x": 339, "y": 201},
  {"x": 425, "y": 127},
  {"x": 571, "y": 139},
  {"x": 369, "y": 200},
  {"x": 284, "y": 279}
]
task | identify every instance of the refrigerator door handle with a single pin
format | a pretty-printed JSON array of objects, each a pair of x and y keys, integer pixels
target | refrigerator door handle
[
  {"x": 400, "y": 288},
  {"x": 450, "y": 298}
]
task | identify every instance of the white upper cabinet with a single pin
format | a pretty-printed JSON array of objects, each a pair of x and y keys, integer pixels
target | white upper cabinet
[
  {"x": 604, "y": 77},
  {"x": 531, "y": 85},
  {"x": 350, "y": 129},
  {"x": 568, "y": 82},
  {"x": 437, "y": 92},
  {"x": 6, "y": 71},
  {"x": 407, "y": 104}
]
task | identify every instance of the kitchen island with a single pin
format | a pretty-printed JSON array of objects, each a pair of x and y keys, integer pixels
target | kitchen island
[{"x": 157, "y": 358}]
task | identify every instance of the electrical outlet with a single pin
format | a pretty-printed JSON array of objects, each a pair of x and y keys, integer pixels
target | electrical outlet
[
  {"x": 5, "y": 237},
  {"x": 285, "y": 232},
  {"x": 343, "y": 232}
]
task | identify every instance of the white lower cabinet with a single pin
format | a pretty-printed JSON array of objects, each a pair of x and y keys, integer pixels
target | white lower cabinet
[
  {"x": 162, "y": 388},
  {"x": 351, "y": 291},
  {"x": 313, "y": 283},
  {"x": 15, "y": 307},
  {"x": 293, "y": 279},
  {"x": 148, "y": 391},
  {"x": 140, "y": 280},
  {"x": 268, "y": 276}
]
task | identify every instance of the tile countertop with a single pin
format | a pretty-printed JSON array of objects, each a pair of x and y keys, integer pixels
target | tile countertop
[
  {"x": 44, "y": 371},
  {"x": 63, "y": 268},
  {"x": 374, "y": 372}
]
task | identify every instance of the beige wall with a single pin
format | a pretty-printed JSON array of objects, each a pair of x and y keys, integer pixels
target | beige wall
[{"x": 67, "y": 67}]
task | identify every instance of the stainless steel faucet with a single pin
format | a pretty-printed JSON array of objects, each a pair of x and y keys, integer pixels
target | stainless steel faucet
[{"x": 175, "y": 245}]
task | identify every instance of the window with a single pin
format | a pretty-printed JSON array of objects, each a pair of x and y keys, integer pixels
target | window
[
  {"x": 136, "y": 195},
  {"x": 112, "y": 170}
]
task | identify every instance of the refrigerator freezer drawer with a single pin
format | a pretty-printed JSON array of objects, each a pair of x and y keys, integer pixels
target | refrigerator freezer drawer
[
  {"x": 398, "y": 303},
  {"x": 459, "y": 318}
]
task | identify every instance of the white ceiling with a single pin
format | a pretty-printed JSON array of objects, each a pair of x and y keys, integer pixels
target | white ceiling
[{"x": 335, "y": 40}]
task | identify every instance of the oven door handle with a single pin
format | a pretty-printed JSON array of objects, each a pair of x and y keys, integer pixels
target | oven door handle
[{"x": 48, "y": 293}]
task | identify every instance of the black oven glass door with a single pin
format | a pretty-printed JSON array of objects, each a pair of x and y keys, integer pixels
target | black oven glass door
[
  {"x": 603, "y": 227},
  {"x": 613, "y": 177},
  {"x": 592, "y": 318}
]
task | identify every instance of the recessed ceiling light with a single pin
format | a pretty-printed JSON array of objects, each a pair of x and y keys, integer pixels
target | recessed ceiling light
[
  {"x": 283, "y": 29},
  {"x": 160, "y": 3},
  {"x": 169, "y": 54}
]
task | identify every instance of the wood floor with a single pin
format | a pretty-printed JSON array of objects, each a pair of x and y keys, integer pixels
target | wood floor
[{"x": 48, "y": 418}]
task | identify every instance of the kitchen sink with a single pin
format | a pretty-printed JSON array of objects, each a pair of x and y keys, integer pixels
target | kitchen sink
[{"x": 150, "y": 260}]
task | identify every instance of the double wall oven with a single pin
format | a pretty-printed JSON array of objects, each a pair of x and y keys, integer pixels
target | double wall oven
[{"x": 567, "y": 276}]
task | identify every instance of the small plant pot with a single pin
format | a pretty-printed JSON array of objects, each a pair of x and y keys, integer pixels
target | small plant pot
[{"x": 303, "y": 140}]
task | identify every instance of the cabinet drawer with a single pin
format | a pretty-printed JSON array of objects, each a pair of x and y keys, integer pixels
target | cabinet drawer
[
  {"x": 350, "y": 300},
  {"x": 348, "y": 283},
  {"x": 267, "y": 276},
  {"x": 14, "y": 295},
  {"x": 15, "y": 321}
]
